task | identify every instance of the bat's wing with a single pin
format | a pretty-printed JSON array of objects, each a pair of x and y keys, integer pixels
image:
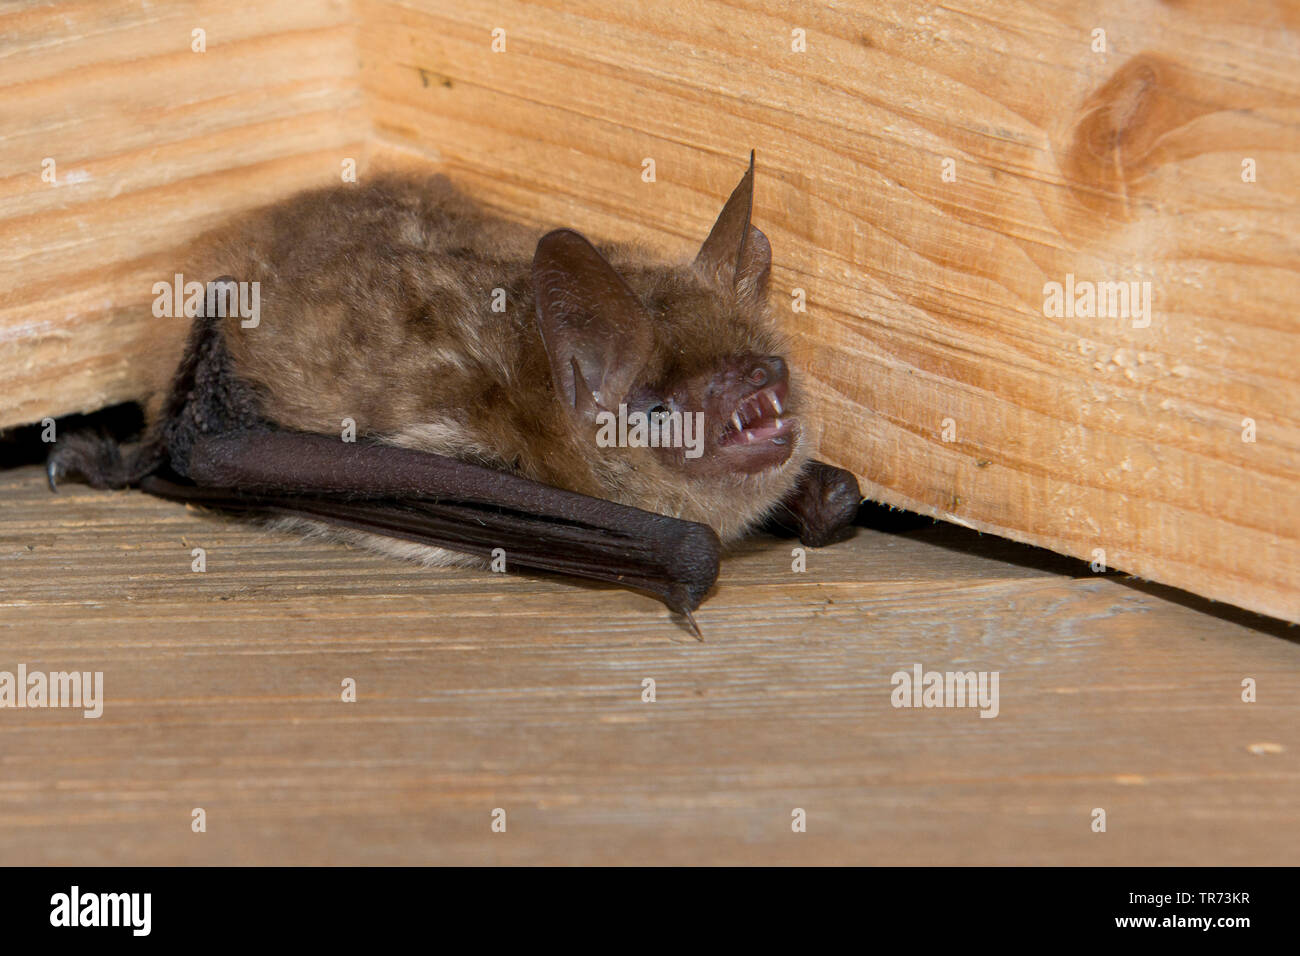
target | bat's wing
[{"x": 430, "y": 499}]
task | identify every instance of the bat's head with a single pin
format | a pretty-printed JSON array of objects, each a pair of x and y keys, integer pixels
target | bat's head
[{"x": 674, "y": 378}]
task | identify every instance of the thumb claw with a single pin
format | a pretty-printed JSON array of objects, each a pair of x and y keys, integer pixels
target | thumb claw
[
  {"x": 695, "y": 628},
  {"x": 52, "y": 474}
]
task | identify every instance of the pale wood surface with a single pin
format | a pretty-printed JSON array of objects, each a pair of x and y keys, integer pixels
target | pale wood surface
[
  {"x": 153, "y": 144},
  {"x": 479, "y": 691}
]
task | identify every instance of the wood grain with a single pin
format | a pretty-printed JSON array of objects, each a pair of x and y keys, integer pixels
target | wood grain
[
  {"x": 926, "y": 298},
  {"x": 478, "y": 691},
  {"x": 153, "y": 144}
]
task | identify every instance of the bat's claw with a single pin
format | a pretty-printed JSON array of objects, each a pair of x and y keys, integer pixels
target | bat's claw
[
  {"x": 695, "y": 628},
  {"x": 91, "y": 459}
]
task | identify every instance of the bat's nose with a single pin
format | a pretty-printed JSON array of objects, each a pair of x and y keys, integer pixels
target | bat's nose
[{"x": 769, "y": 370}]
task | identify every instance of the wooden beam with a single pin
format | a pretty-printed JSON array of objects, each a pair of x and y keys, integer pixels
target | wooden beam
[
  {"x": 152, "y": 143},
  {"x": 1166, "y": 444}
]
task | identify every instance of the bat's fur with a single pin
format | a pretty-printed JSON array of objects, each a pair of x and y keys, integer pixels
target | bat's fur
[{"x": 376, "y": 307}]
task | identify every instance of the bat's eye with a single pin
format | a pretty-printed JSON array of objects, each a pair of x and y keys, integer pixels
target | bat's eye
[{"x": 660, "y": 409}]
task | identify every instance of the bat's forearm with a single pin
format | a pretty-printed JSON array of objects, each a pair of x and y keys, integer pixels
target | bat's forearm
[{"x": 427, "y": 498}]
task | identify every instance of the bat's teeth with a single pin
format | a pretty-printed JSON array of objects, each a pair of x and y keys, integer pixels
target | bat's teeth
[
  {"x": 776, "y": 403},
  {"x": 749, "y": 436},
  {"x": 735, "y": 420}
]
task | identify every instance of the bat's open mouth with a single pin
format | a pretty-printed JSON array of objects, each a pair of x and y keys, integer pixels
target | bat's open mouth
[{"x": 760, "y": 422}]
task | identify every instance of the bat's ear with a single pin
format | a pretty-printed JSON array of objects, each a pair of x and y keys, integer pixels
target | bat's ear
[
  {"x": 736, "y": 255},
  {"x": 596, "y": 333}
]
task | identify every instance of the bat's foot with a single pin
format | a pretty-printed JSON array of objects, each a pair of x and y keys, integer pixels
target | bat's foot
[
  {"x": 822, "y": 506},
  {"x": 91, "y": 459}
]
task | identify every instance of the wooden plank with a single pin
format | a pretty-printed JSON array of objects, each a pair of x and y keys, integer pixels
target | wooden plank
[
  {"x": 153, "y": 143},
  {"x": 478, "y": 691},
  {"x": 926, "y": 297}
]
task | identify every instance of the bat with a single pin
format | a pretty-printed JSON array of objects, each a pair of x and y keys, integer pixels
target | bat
[{"x": 411, "y": 372}]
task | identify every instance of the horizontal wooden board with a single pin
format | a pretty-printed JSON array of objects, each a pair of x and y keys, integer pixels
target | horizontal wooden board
[
  {"x": 478, "y": 691},
  {"x": 944, "y": 383}
]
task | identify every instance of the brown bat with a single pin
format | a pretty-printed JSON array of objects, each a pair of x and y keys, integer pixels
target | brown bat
[{"x": 584, "y": 410}]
